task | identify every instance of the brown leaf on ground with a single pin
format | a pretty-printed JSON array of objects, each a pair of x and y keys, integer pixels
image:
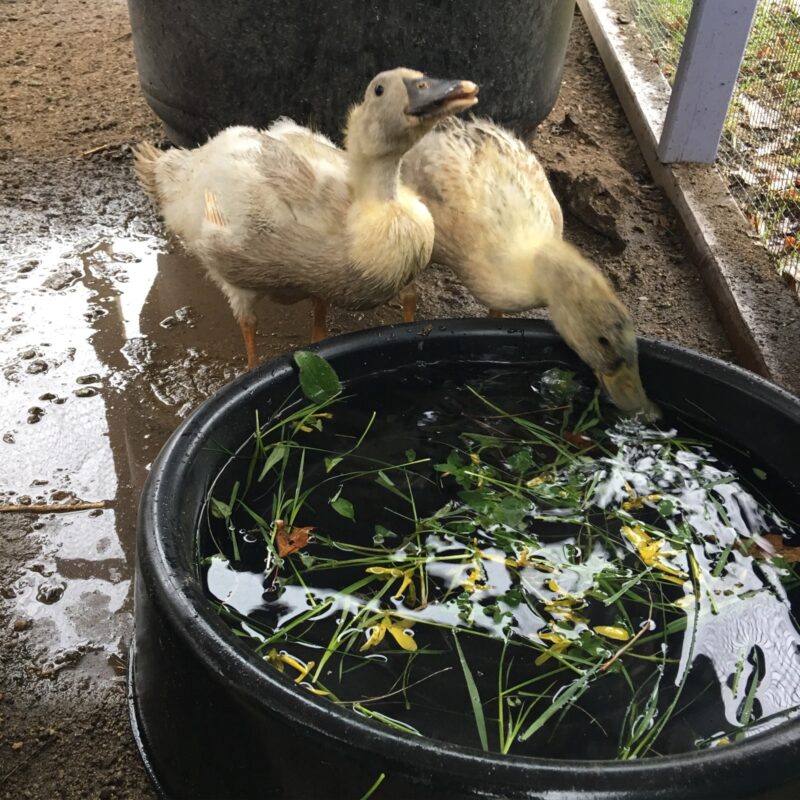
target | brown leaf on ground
[
  {"x": 578, "y": 440},
  {"x": 290, "y": 541},
  {"x": 784, "y": 551}
]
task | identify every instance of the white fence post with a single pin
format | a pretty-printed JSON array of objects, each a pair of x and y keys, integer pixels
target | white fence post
[{"x": 712, "y": 53}]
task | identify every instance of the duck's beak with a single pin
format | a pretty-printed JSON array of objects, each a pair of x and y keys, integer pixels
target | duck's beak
[
  {"x": 624, "y": 387},
  {"x": 428, "y": 97}
]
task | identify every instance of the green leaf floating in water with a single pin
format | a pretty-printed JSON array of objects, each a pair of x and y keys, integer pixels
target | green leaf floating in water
[
  {"x": 318, "y": 380},
  {"x": 277, "y": 453},
  {"x": 219, "y": 509},
  {"x": 343, "y": 506},
  {"x": 666, "y": 508},
  {"x": 521, "y": 462},
  {"x": 330, "y": 463},
  {"x": 382, "y": 534}
]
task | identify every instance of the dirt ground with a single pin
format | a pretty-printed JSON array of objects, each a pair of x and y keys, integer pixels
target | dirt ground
[{"x": 108, "y": 339}]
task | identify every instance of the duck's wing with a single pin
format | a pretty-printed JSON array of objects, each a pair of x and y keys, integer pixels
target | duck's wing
[
  {"x": 440, "y": 169},
  {"x": 184, "y": 179},
  {"x": 320, "y": 151},
  {"x": 521, "y": 179},
  {"x": 300, "y": 190},
  {"x": 278, "y": 213}
]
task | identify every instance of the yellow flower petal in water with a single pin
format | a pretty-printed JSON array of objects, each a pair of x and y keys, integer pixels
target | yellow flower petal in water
[
  {"x": 722, "y": 742},
  {"x": 281, "y": 660},
  {"x": 407, "y": 583},
  {"x": 388, "y": 572},
  {"x": 563, "y": 612},
  {"x": 563, "y": 607},
  {"x": 273, "y": 657},
  {"x": 613, "y": 632},
  {"x": 376, "y": 634},
  {"x": 537, "y": 481},
  {"x": 678, "y": 581},
  {"x": 553, "y": 586},
  {"x": 651, "y": 550},
  {"x": 635, "y": 535},
  {"x": 524, "y": 560},
  {"x": 638, "y": 502},
  {"x": 303, "y": 674},
  {"x": 401, "y": 631},
  {"x": 560, "y": 643},
  {"x": 471, "y": 584}
]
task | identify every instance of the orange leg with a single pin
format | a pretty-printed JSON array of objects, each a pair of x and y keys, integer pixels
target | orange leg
[
  {"x": 248, "y": 326},
  {"x": 319, "y": 326},
  {"x": 495, "y": 314},
  {"x": 408, "y": 297}
]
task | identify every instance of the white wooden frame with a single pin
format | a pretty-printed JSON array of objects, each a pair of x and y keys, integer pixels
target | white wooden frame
[{"x": 712, "y": 54}]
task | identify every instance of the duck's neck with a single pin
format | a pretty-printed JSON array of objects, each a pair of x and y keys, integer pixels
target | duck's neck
[
  {"x": 374, "y": 179},
  {"x": 560, "y": 273}
]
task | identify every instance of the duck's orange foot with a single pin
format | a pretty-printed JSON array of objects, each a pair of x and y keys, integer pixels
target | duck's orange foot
[
  {"x": 319, "y": 325},
  {"x": 408, "y": 297},
  {"x": 248, "y": 326}
]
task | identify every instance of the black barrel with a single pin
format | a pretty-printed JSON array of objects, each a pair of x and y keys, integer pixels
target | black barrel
[
  {"x": 207, "y": 64},
  {"x": 213, "y": 723}
]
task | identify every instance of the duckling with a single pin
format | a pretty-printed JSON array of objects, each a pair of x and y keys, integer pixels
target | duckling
[
  {"x": 283, "y": 212},
  {"x": 499, "y": 227}
]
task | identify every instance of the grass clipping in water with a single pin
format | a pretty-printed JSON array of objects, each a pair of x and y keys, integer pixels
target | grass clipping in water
[{"x": 659, "y": 552}]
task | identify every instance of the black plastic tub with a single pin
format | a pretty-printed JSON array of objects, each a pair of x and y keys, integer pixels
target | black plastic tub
[
  {"x": 212, "y": 721},
  {"x": 205, "y": 64}
]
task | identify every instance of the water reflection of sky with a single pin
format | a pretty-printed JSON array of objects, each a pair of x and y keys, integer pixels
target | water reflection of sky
[{"x": 53, "y": 373}]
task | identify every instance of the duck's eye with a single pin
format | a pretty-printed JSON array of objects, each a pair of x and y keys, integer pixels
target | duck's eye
[
  {"x": 603, "y": 341},
  {"x": 422, "y": 85},
  {"x": 379, "y": 90},
  {"x": 616, "y": 365}
]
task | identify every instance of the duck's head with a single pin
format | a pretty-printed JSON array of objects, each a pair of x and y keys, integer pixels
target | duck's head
[
  {"x": 595, "y": 324},
  {"x": 400, "y": 106}
]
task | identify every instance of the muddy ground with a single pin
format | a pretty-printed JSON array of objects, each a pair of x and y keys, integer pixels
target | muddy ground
[{"x": 108, "y": 339}]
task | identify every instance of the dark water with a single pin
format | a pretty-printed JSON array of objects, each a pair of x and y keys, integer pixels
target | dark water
[{"x": 718, "y": 661}]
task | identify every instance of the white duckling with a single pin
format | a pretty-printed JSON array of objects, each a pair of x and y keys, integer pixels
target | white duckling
[
  {"x": 285, "y": 213},
  {"x": 499, "y": 227}
]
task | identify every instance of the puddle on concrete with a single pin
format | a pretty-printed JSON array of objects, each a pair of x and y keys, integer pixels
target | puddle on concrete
[
  {"x": 107, "y": 341},
  {"x": 104, "y": 348}
]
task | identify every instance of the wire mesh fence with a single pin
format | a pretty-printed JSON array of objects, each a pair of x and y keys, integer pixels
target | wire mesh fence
[{"x": 759, "y": 154}]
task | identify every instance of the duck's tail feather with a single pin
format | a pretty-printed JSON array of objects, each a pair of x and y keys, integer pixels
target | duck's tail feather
[{"x": 145, "y": 157}]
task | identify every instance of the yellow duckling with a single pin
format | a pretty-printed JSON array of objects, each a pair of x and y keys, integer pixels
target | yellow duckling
[
  {"x": 284, "y": 212},
  {"x": 499, "y": 226}
]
